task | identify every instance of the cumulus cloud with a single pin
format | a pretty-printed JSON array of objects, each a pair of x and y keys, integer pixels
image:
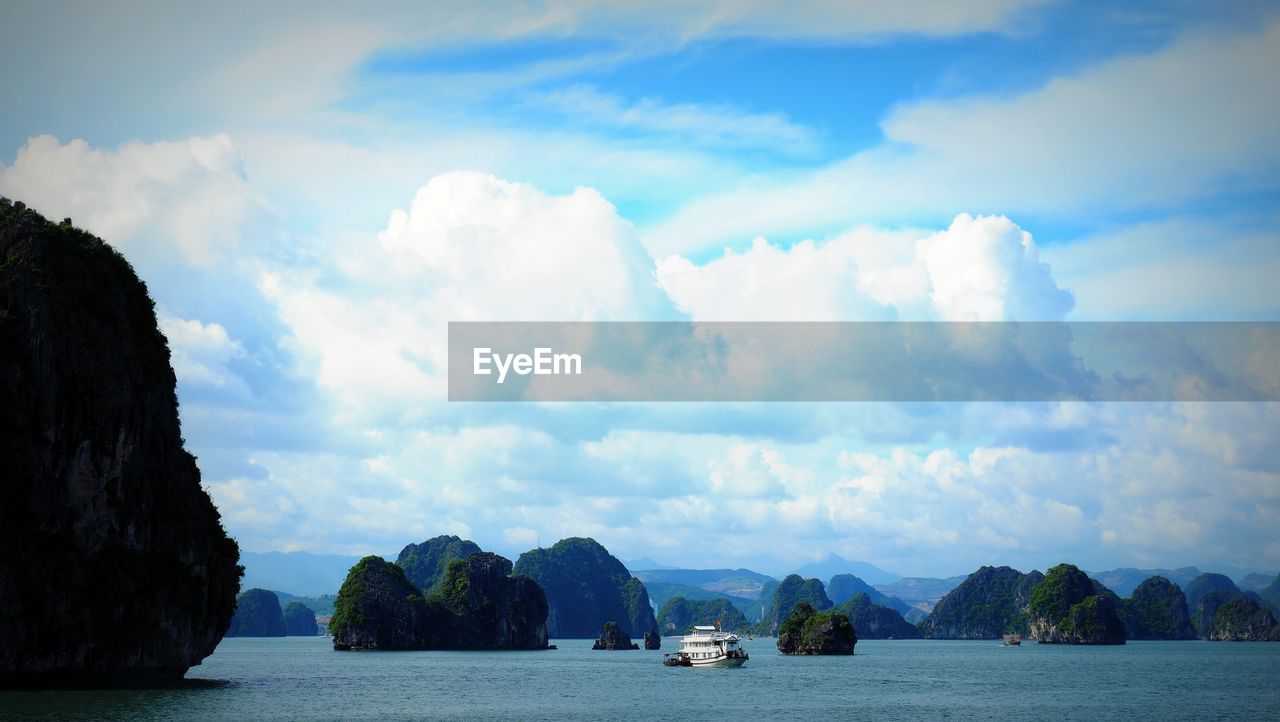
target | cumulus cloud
[
  {"x": 470, "y": 247},
  {"x": 978, "y": 269},
  {"x": 200, "y": 352},
  {"x": 186, "y": 200}
]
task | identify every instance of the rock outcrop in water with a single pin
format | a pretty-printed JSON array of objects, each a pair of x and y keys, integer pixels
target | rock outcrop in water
[
  {"x": 990, "y": 603},
  {"x": 1157, "y": 610},
  {"x": 586, "y": 587},
  {"x": 113, "y": 561},
  {"x": 872, "y": 621},
  {"x": 612, "y": 637},
  {"x": 299, "y": 620},
  {"x": 257, "y": 614},
  {"x": 793, "y": 590},
  {"x": 652, "y": 640},
  {"x": 808, "y": 631},
  {"x": 1067, "y": 607},
  {"x": 479, "y": 605},
  {"x": 678, "y": 615},
  {"x": 1243, "y": 619},
  {"x": 425, "y": 563}
]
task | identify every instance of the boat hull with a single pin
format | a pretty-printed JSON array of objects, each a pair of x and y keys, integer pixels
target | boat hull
[{"x": 721, "y": 662}]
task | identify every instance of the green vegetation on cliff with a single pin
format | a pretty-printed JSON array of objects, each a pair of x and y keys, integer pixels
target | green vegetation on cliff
[
  {"x": 424, "y": 564},
  {"x": 809, "y": 631},
  {"x": 990, "y": 603},
  {"x": 257, "y": 615},
  {"x": 873, "y": 621},
  {"x": 299, "y": 620},
  {"x": 1208, "y": 583},
  {"x": 678, "y": 615},
  {"x": 1243, "y": 619},
  {"x": 478, "y": 604},
  {"x": 1067, "y": 607},
  {"x": 792, "y": 591},
  {"x": 1157, "y": 610},
  {"x": 585, "y": 587}
]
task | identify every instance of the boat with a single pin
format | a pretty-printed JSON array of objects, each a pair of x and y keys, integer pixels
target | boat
[
  {"x": 708, "y": 647},
  {"x": 1013, "y": 640}
]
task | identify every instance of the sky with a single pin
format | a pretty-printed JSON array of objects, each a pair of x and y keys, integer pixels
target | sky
[{"x": 312, "y": 191}]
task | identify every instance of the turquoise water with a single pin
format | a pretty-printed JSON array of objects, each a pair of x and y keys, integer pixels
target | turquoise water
[{"x": 302, "y": 678}]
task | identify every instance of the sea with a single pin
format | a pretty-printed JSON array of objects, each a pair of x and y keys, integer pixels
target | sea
[{"x": 302, "y": 678}]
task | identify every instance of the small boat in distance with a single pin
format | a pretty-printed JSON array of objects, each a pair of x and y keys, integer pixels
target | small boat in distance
[
  {"x": 707, "y": 647},
  {"x": 1012, "y": 640}
]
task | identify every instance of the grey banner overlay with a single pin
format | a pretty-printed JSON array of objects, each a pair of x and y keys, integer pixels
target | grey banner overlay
[{"x": 883, "y": 361}]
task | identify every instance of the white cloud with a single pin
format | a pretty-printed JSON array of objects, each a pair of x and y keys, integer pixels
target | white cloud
[
  {"x": 984, "y": 269},
  {"x": 200, "y": 352},
  {"x": 470, "y": 247},
  {"x": 185, "y": 200},
  {"x": 1179, "y": 268},
  {"x": 1189, "y": 121},
  {"x": 703, "y": 124}
]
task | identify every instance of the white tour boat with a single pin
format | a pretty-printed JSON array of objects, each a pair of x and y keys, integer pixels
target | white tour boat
[{"x": 707, "y": 647}]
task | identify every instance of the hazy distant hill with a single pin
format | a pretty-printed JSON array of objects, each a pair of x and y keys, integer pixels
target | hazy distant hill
[
  {"x": 742, "y": 583},
  {"x": 662, "y": 592},
  {"x": 1124, "y": 580},
  {"x": 635, "y": 565},
  {"x": 834, "y": 565},
  {"x": 299, "y": 573},
  {"x": 920, "y": 592}
]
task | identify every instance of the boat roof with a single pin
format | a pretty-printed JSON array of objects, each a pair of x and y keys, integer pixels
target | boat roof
[{"x": 705, "y": 629}]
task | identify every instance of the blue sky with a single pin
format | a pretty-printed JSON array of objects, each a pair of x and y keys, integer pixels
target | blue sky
[{"x": 312, "y": 192}]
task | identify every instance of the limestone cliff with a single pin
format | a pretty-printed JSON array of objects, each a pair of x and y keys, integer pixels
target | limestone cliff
[
  {"x": 587, "y": 586},
  {"x": 479, "y": 605},
  {"x": 989, "y": 603},
  {"x": 113, "y": 561},
  {"x": 258, "y": 614},
  {"x": 873, "y": 621},
  {"x": 1067, "y": 607}
]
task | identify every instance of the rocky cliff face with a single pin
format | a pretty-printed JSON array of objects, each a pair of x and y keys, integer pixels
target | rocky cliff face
[
  {"x": 612, "y": 637},
  {"x": 808, "y": 631},
  {"x": 425, "y": 563},
  {"x": 299, "y": 620},
  {"x": 1242, "y": 619},
  {"x": 480, "y": 605},
  {"x": 378, "y": 608},
  {"x": 492, "y": 609},
  {"x": 257, "y": 614},
  {"x": 1067, "y": 607},
  {"x": 872, "y": 621},
  {"x": 1157, "y": 610},
  {"x": 991, "y": 602},
  {"x": 114, "y": 561},
  {"x": 586, "y": 587}
]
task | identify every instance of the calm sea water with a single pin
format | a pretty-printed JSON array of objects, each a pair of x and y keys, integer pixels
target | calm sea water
[{"x": 303, "y": 678}]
